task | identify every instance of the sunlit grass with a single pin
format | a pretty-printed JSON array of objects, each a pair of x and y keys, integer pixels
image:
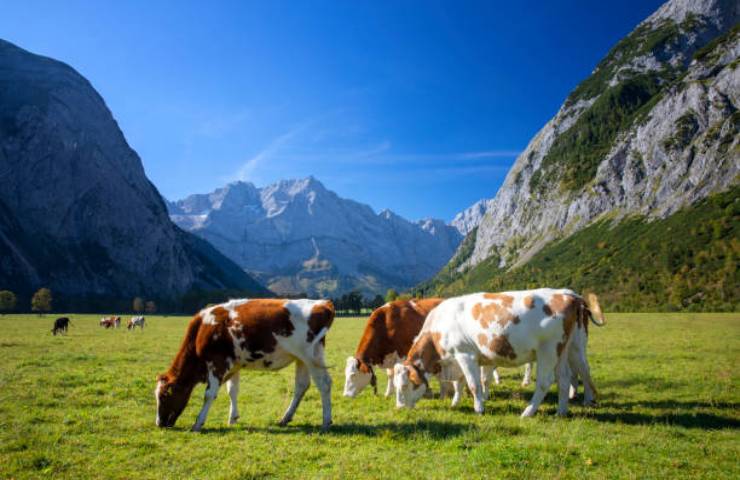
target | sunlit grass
[{"x": 82, "y": 405}]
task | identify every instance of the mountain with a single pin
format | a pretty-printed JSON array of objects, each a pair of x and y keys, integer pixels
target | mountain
[
  {"x": 77, "y": 212},
  {"x": 471, "y": 217},
  {"x": 297, "y": 236},
  {"x": 653, "y": 131}
]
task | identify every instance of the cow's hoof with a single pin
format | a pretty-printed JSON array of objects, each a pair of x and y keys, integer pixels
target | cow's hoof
[
  {"x": 232, "y": 421},
  {"x": 196, "y": 428},
  {"x": 528, "y": 412},
  {"x": 325, "y": 427},
  {"x": 284, "y": 422}
]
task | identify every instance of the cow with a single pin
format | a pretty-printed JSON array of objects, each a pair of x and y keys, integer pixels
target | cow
[
  {"x": 61, "y": 325},
  {"x": 116, "y": 322},
  {"x": 504, "y": 329},
  {"x": 386, "y": 340},
  {"x": 108, "y": 322},
  {"x": 136, "y": 322},
  {"x": 261, "y": 334}
]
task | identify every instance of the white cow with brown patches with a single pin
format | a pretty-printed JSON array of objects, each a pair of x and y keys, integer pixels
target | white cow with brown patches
[
  {"x": 261, "y": 334},
  {"x": 503, "y": 329}
]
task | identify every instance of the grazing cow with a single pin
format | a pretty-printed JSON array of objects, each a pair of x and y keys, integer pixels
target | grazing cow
[
  {"x": 108, "y": 322},
  {"x": 61, "y": 325},
  {"x": 386, "y": 340},
  {"x": 136, "y": 322},
  {"x": 116, "y": 322},
  {"x": 262, "y": 334},
  {"x": 504, "y": 329},
  {"x": 387, "y": 337}
]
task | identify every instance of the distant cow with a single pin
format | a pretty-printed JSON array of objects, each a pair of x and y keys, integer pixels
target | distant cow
[
  {"x": 110, "y": 322},
  {"x": 136, "y": 322},
  {"x": 386, "y": 340},
  {"x": 504, "y": 329},
  {"x": 61, "y": 325},
  {"x": 263, "y": 334}
]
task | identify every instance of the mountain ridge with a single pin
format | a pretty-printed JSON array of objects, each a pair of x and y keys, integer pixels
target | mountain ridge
[
  {"x": 77, "y": 212},
  {"x": 301, "y": 237},
  {"x": 653, "y": 130}
]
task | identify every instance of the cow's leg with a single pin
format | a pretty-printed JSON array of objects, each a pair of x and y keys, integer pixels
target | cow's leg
[
  {"x": 486, "y": 372},
  {"x": 527, "y": 374},
  {"x": 471, "y": 370},
  {"x": 547, "y": 359},
  {"x": 302, "y": 382},
  {"x": 563, "y": 375},
  {"x": 232, "y": 386},
  {"x": 213, "y": 384},
  {"x": 496, "y": 377},
  {"x": 579, "y": 363},
  {"x": 322, "y": 380},
  {"x": 389, "y": 387},
  {"x": 458, "y": 387},
  {"x": 573, "y": 390}
]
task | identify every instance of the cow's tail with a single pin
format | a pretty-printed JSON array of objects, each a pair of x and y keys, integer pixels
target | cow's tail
[
  {"x": 319, "y": 362},
  {"x": 594, "y": 310}
]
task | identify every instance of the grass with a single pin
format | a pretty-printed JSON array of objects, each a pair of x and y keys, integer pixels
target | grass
[{"x": 81, "y": 405}]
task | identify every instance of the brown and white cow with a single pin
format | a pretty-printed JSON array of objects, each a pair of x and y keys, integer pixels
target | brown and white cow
[
  {"x": 388, "y": 335},
  {"x": 262, "y": 334},
  {"x": 110, "y": 322},
  {"x": 503, "y": 329},
  {"x": 137, "y": 321}
]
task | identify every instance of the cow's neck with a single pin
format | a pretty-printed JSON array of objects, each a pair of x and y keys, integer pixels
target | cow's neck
[
  {"x": 424, "y": 355},
  {"x": 372, "y": 349},
  {"x": 187, "y": 368}
]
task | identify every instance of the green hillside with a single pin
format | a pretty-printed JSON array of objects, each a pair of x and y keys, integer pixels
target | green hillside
[{"x": 687, "y": 261}]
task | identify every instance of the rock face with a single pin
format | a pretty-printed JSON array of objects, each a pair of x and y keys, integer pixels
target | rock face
[
  {"x": 297, "y": 236},
  {"x": 471, "y": 217},
  {"x": 652, "y": 130},
  {"x": 77, "y": 213}
]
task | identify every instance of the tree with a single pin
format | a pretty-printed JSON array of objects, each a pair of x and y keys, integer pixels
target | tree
[
  {"x": 391, "y": 295},
  {"x": 7, "y": 301},
  {"x": 376, "y": 302},
  {"x": 138, "y": 305},
  {"x": 41, "y": 301},
  {"x": 151, "y": 307}
]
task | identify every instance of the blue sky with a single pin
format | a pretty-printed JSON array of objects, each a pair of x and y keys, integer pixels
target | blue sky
[{"x": 420, "y": 107}]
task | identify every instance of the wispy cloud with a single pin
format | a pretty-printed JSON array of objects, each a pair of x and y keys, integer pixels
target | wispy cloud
[{"x": 246, "y": 171}]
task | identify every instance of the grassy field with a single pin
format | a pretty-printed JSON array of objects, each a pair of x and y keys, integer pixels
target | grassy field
[{"x": 82, "y": 405}]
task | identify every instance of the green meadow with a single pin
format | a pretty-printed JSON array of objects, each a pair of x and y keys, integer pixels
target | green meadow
[{"x": 82, "y": 405}]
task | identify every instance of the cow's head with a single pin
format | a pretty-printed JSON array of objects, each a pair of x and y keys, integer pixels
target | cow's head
[
  {"x": 357, "y": 374},
  {"x": 410, "y": 383},
  {"x": 172, "y": 397}
]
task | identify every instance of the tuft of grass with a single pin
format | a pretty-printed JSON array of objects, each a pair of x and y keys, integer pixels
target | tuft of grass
[{"x": 82, "y": 406}]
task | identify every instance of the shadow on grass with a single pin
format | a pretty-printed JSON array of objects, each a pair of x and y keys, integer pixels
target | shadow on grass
[
  {"x": 704, "y": 421},
  {"x": 434, "y": 429}
]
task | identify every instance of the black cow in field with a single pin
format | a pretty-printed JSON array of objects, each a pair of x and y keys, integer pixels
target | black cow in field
[{"x": 61, "y": 324}]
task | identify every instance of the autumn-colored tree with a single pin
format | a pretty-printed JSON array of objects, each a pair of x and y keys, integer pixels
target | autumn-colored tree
[
  {"x": 41, "y": 301},
  {"x": 150, "y": 307},
  {"x": 138, "y": 305}
]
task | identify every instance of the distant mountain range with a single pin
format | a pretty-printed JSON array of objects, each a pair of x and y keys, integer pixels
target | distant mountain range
[
  {"x": 296, "y": 236},
  {"x": 77, "y": 213},
  {"x": 652, "y": 133}
]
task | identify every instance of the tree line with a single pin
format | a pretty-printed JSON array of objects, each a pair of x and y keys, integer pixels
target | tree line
[{"x": 42, "y": 301}]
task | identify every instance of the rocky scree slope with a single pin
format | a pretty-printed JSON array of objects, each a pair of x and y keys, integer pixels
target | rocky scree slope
[{"x": 654, "y": 129}]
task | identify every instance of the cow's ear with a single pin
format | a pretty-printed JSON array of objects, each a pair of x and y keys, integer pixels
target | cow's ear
[{"x": 161, "y": 377}]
